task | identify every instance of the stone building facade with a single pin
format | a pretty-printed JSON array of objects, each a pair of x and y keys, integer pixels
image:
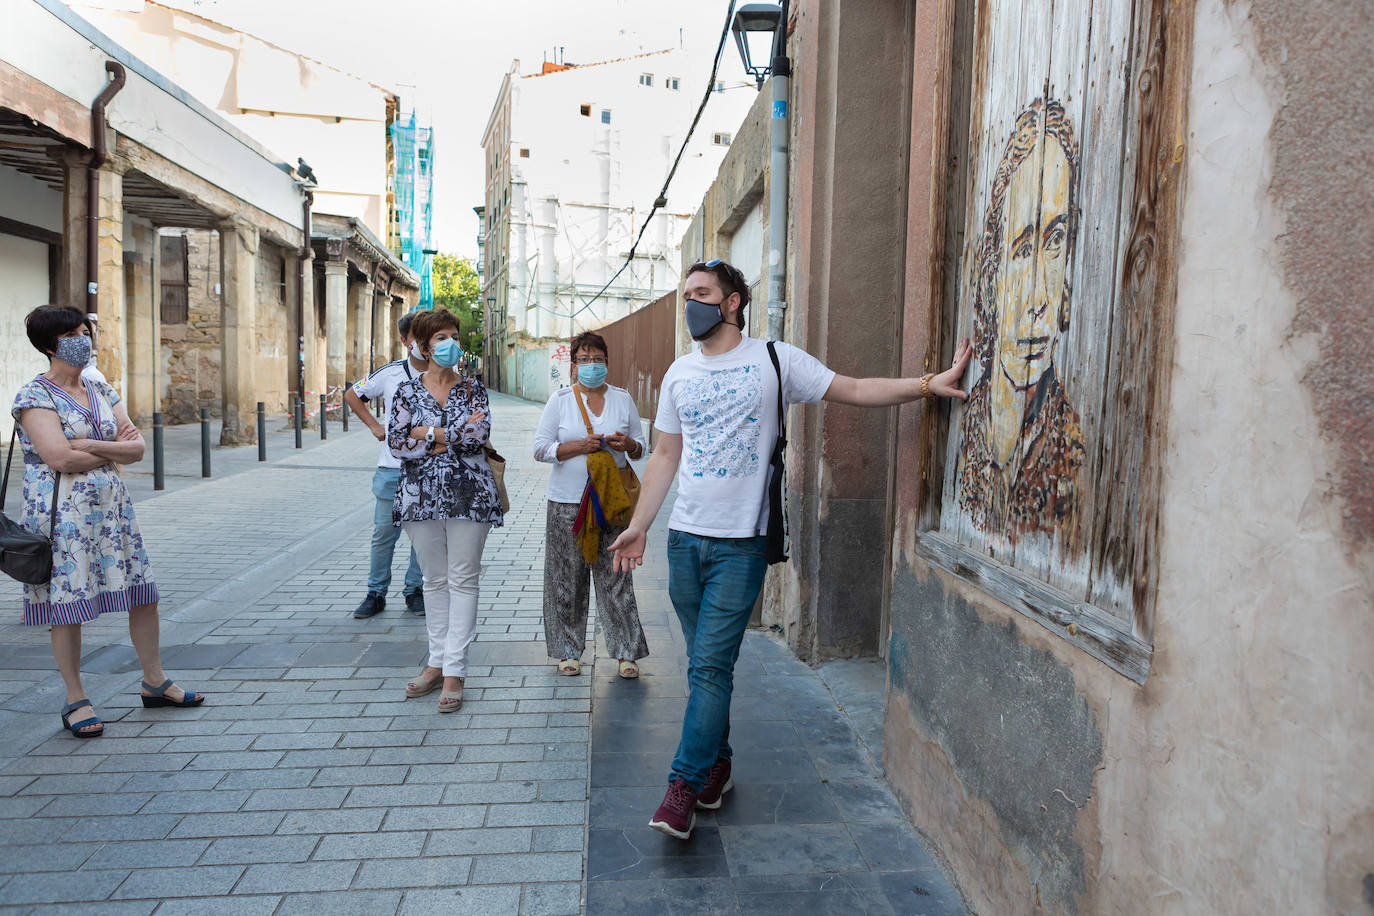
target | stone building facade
[{"x": 1124, "y": 609}]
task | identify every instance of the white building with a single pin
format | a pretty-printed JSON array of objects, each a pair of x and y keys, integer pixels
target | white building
[
  {"x": 575, "y": 157},
  {"x": 289, "y": 103}
]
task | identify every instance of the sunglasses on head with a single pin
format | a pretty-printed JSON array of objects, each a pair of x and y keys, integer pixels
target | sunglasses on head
[{"x": 712, "y": 263}]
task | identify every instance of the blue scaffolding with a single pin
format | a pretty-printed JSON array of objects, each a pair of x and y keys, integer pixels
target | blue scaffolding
[{"x": 413, "y": 201}]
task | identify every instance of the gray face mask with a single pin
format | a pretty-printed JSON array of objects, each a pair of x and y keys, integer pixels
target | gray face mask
[{"x": 74, "y": 351}]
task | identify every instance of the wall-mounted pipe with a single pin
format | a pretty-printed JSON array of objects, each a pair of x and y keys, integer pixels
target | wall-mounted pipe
[
  {"x": 300, "y": 293},
  {"x": 777, "y": 182},
  {"x": 98, "y": 157}
]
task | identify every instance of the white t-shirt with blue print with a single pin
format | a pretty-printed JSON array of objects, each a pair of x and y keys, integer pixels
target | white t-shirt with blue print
[{"x": 726, "y": 410}]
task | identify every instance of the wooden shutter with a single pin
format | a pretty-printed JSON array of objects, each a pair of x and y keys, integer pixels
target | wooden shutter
[
  {"x": 174, "y": 277},
  {"x": 1060, "y": 283}
]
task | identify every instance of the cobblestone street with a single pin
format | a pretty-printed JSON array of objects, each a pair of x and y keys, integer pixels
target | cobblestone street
[{"x": 308, "y": 783}]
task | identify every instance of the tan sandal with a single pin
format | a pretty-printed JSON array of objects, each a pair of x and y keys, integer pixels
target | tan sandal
[
  {"x": 450, "y": 702},
  {"x": 419, "y": 687},
  {"x": 628, "y": 669},
  {"x": 570, "y": 667}
]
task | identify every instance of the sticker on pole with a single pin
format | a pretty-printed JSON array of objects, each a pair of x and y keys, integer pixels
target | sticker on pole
[
  {"x": 91, "y": 289},
  {"x": 780, "y": 108}
]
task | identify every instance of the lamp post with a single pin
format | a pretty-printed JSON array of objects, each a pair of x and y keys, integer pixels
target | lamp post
[{"x": 761, "y": 34}]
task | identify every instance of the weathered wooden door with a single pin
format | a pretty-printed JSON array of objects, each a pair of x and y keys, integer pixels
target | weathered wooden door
[{"x": 1043, "y": 469}]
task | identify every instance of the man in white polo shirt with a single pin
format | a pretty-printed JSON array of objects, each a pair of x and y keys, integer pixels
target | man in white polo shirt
[
  {"x": 382, "y": 382},
  {"x": 718, "y": 423}
]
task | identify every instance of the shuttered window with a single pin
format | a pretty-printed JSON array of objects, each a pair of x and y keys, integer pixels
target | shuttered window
[
  {"x": 1059, "y": 274},
  {"x": 173, "y": 277}
]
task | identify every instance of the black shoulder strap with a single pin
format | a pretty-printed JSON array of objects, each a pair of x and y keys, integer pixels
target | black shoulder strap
[
  {"x": 5, "y": 484},
  {"x": 782, "y": 408}
]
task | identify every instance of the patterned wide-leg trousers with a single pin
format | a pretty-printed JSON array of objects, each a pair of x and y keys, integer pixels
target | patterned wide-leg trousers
[{"x": 567, "y": 592}]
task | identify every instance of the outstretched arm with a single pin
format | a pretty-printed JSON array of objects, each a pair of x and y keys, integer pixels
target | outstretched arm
[
  {"x": 883, "y": 392},
  {"x": 658, "y": 477}
]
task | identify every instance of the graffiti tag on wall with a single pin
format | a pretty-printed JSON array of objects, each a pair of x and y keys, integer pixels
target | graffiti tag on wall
[{"x": 1022, "y": 444}]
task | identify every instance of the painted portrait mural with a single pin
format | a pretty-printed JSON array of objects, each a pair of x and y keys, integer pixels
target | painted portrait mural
[{"x": 1022, "y": 447}]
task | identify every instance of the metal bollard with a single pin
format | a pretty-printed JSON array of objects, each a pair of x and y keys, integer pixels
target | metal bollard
[
  {"x": 343, "y": 407},
  {"x": 377, "y": 407},
  {"x": 300, "y": 419},
  {"x": 262, "y": 431},
  {"x": 324, "y": 408},
  {"x": 204, "y": 442},
  {"x": 159, "y": 471}
]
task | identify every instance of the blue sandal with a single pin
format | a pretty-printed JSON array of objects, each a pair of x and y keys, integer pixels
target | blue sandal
[
  {"x": 76, "y": 727},
  {"x": 159, "y": 696}
]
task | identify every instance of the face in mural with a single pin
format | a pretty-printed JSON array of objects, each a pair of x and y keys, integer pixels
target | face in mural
[
  {"x": 1031, "y": 288},
  {"x": 1021, "y": 442}
]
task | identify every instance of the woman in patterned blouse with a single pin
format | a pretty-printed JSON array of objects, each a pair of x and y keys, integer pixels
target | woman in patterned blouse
[{"x": 446, "y": 500}]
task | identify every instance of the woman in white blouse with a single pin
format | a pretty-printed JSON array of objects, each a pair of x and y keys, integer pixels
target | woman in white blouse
[{"x": 562, "y": 440}]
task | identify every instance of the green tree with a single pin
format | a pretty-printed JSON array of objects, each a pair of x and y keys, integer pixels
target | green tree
[{"x": 457, "y": 289}]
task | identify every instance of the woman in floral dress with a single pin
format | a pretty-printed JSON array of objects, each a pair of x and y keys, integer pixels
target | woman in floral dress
[
  {"x": 447, "y": 500},
  {"x": 75, "y": 433}
]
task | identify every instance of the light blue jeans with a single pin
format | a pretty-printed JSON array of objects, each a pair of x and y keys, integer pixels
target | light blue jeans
[
  {"x": 384, "y": 535},
  {"x": 713, "y": 583}
]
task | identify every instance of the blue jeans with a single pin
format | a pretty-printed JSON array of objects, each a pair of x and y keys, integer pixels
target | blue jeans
[
  {"x": 713, "y": 583},
  {"x": 384, "y": 535}
]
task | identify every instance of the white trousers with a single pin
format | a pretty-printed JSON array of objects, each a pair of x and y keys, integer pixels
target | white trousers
[{"x": 450, "y": 555}]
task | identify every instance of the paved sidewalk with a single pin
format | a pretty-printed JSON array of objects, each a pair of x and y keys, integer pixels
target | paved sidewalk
[
  {"x": 309, "y": 783},
  {"x": 809, "y": 826}
]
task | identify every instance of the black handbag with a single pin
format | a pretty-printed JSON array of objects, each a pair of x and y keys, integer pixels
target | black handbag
[
  {"x": 24, "y": 555},
  {"x": 777, "y": 540}
]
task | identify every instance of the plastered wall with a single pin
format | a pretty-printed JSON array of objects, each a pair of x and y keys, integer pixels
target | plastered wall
[{"x": 1237, "y": 778}]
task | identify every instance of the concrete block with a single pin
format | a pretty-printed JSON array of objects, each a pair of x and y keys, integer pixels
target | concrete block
[
  {"x": 368, "y": 846},
  {"x": 258, "y": 823},
  {"x": 258, "y": 849},
  {"x": 559, "y": 839},
  {"x": 324, "y": 821},
  {"x": 527, "y": 867},
  {"x": 444, "y": 816},
  {"x": 200, "y": 881},
  {"x": 483, "y": 841},
  {"x": 309, "y": 876},
  {"x": 551, "y": 900},
  {"x": 294, "y": 799},
  {"x": 537, "y": 814},
  {"x": 431, "y": 871}
]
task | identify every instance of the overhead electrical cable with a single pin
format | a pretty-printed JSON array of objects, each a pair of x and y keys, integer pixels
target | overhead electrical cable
[{"x": 662, "y": 199}]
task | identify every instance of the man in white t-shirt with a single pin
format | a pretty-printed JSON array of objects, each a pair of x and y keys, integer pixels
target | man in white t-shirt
[
  {"x": 382, "y": 383},
  {"x": 718, "y": 422}
]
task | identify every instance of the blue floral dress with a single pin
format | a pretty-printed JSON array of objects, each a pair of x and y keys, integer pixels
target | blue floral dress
[{"x": 99, "y": 561}]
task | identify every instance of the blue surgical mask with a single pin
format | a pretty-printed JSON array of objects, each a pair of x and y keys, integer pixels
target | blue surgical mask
[
  {"x": 74, "y": 351},
  {"x": 592, "y": 375},
  {"x": 447, "y": 353}
]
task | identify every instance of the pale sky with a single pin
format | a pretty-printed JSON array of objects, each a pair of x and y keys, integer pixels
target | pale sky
[{"x": 449, "y": 56}]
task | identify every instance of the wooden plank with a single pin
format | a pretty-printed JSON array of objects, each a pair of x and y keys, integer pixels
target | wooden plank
[
  {"x": 954, "y": 48},
  {"x": 1091, "y": 629},
  {"x": 1125, "y": 564}
]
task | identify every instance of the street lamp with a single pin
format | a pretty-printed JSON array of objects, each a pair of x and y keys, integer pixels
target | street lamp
[
  {"x": 755, "y": 28},
  {"x": 761, "y": 34}
]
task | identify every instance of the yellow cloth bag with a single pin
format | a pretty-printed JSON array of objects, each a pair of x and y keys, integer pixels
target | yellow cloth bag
[{"x": 605, "y": 492}]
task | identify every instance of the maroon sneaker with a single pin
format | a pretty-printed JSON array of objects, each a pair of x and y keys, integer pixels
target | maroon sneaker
[
  {"x": 677, "y": 815},
  {"x": 718, "y": 782}
]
